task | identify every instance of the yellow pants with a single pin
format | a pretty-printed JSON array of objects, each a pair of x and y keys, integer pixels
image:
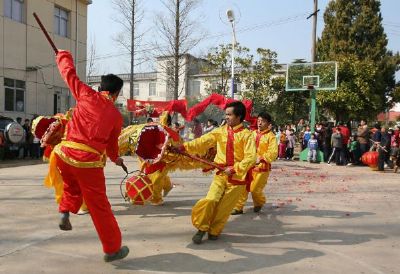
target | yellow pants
[
  {"x": 212, "y": 212},
  {"x": 161, "y": 182},
  {"x": 257, "y": 186}
]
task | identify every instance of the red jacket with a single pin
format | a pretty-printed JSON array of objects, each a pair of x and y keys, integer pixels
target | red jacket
[
  {"x": 345, "y": 134},
  {"x": 96, "y": 122}
]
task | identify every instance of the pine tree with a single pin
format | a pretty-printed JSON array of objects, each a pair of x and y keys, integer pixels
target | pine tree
[{"x": 354, "y": 36}]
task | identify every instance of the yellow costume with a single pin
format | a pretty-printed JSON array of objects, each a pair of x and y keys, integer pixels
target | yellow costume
[
  {"x": 267, "y": 151},
  {"x": 235, "y": 148}
]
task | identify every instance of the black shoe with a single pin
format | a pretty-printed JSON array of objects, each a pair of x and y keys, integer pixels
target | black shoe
[
  {"x": 65, "y": 224},
  {"x": 236, "y": 212},
  {"x": 257, "y": 209},
  {"x": 122, "y": 253},
  {"x": 198, "y": 237},
  {"x": 212, "y": 237}
]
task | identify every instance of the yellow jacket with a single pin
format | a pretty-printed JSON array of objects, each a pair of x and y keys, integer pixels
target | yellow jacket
[
  {"x": 244, "y": 149},
  {"x": 267, "y": 149}
]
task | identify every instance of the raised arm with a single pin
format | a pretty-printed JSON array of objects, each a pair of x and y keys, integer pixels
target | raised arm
[{"x": 67, "y": 70}]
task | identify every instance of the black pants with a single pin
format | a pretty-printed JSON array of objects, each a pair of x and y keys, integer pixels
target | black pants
[
  {"x": 339, "y": 155},
  {"x": 363, "y": 148},
  {"x": 289, "y": 153},
  {"x": 327, "y": 152},
  {"x": 383, "y": 157}
]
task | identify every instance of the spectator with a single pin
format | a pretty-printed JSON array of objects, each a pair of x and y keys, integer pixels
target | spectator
[
  {"x": 306, "y": 137},
  {"x": 312, "y": 149},
  {"x": 337, "y": 151},
  {"x": 28, "y": 138},
  {"x": 395, "y": 156},
  {"x": 291, "y": 142},
  {"x": 210, "y": 126},
  {"x": 383, "y": 150},
  {"x": 354, "y": 150},
  {"x": 282, "y": 144},
  {"x": 301, "y": 125},
  {"x": 197, "y": 129},
  {"x": 363, "y": 136}
]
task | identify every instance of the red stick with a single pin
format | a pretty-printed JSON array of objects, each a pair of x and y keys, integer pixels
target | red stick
[
  {"x": 45, "y": 33},
  {"x": 201, "y": 160}
]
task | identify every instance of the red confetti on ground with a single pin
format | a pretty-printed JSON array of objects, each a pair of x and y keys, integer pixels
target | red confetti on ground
[
  {"x": 281, "y": 204},
  {"x": 313, "y": 206},
  {"x": 298, "y": 199},
  {"x": 309, "y": 191}
]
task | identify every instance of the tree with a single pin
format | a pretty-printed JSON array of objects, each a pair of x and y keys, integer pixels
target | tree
[
  {"x": 130, "y": 15},
  {"x": 354, "y": 36},
  {"x": 219, "y": 65},
  {"x": 175, "y": 38},
  {"x": 91, "y": 65},
  {"x": 267, "y": 91}
]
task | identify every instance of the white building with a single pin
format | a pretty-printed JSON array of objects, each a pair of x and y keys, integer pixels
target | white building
[
  {"x": 29, "y": 80},
  {"x": 152, "y": 86}
]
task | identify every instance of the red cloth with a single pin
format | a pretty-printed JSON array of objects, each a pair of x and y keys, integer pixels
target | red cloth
[
  {"x": 95, "y": 122},
  {"x": 139, "y": 107},
  {"x": 219, "y": 101},
  {"x": 89, "y": 184}
]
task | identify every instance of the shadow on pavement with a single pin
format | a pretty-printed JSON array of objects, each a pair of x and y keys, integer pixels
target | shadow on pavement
[
  {"x": 251, "y": 228},
  {"x": 186, "y": 262}
]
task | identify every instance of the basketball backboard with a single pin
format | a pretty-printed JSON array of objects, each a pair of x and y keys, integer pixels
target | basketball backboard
[{"x": 319, "y": 75}]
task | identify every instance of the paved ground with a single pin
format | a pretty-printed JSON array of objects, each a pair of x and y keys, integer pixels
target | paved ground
[{"x": 329, "y": 220}]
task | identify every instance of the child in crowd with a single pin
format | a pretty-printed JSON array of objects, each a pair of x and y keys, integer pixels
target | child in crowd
[
  {"x": 312, "y": 149},
  {"x": 282, "y": 144},
  {"x": 306, "y": 137},
  {"x": 395, "y": 156},
  {"x": 291, "y": 142},
  {"x": 354, "y": 150}
]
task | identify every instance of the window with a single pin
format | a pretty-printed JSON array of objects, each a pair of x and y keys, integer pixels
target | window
[
  {"x": 61, "y": 21},
  {"x": 135, "y": 89},
  {"x": 152, "y": 89},
  {"x": 14, "y": 9},
  {"x": 14, "y": 94},
  {"x": 194, "y": 88}
]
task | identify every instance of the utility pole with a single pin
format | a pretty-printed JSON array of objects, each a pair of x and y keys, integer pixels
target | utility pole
[
  {"x": 177, "y": 50},
  {"x": 131, "y": 96}
]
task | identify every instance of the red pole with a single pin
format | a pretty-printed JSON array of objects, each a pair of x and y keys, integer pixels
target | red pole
[
  {"x": 45, "y": 33},
  {"x": 201, "y": 160}
]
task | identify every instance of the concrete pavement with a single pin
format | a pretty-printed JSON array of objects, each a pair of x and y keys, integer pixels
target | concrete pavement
[{"x": 328, "y": 219}]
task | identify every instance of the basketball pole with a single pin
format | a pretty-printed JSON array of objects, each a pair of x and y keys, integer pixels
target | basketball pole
[{"x": 313, "y": 92}]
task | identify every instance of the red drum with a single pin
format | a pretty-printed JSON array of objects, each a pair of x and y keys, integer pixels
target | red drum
[
  {"x": 49, "y": 130},
  {"x": 152, "y": 143},
  {"x": 139, "y": 189},
  {"x": 370, "y": 158}
]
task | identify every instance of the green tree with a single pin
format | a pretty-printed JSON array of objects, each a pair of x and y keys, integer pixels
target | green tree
[
  {"x": 268, "y": 91},
  {"x": 219, "y": 66},
  {"x": 354, "y": 36}
]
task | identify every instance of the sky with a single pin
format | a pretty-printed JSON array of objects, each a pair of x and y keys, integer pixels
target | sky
[{"x": 279, "y": 25}]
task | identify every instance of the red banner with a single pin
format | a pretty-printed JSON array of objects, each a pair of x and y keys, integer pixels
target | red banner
[
  {"x": 219, "y": 101},
  {"x": 155, "y": 108}
]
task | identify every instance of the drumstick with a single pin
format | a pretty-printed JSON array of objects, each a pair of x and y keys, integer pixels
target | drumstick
[
  {"x": 200, "y": 160},
  {"x": 45, "y": 33}
]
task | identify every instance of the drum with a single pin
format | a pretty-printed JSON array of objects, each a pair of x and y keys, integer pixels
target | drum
[
  {"x": 151, "y": 143},
  {"x": 49, "y": 130},
  {"x": 139, "y": 189},
  {"x": 370, "y": 158}
]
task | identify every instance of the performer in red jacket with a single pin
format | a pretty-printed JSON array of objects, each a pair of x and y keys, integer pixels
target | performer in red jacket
[{"x": 92, "y": 135}]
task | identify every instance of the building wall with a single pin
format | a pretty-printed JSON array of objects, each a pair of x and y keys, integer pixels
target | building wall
[{"x": 26, "y": 55}]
